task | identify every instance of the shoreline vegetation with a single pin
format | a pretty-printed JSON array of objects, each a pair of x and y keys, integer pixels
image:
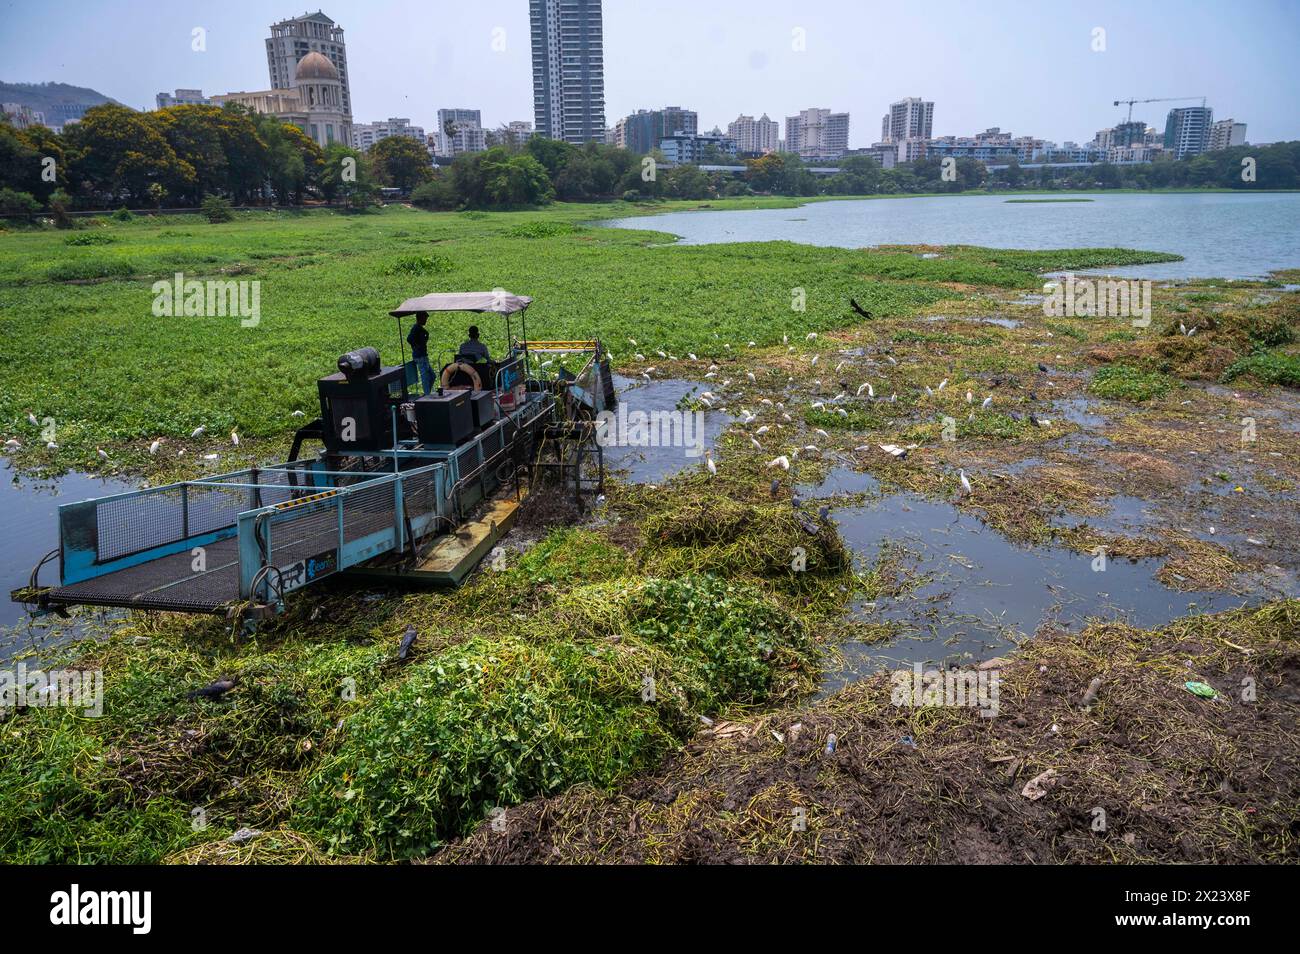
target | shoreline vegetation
[
  {"x": 624, "y": 208},
  {"x": 212, "y": 158},
  {"x": 331, "y": 750}
]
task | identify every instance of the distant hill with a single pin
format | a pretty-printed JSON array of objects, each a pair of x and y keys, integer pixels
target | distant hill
[{"x": 44, "y": 97}]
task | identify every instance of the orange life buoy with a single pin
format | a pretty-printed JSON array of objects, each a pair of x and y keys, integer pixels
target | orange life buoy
[{"x": 469, "y": 369}]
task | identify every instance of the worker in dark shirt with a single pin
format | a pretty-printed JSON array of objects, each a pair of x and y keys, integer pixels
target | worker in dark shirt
[
  {"x": 418, "y": 339},
  {"x": 473, "y": 348}
]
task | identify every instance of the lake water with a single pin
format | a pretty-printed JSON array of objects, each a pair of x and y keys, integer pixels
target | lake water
[
  {"x": 31, "y": 509},
  {"x": 1220, "y": 235}
]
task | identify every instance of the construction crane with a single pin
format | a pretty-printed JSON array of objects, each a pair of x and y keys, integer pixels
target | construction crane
[{"x": 1166, "y": 99}]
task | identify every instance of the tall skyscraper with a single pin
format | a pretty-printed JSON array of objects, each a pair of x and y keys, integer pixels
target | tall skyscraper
[
  {"x": 910, "y": 118},
  {"x": 291, "y": 40},
  {"x": 755, "y": 135},
  {"x": 817, "y": 133},
  {"x": 1187, "y": 131},
  {"x": 568, "y": 69}
]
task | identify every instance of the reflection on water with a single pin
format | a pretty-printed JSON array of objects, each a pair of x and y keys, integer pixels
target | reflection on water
[
  {"x": 973, "y": 594},
  {"x": 30, "y": 507}
]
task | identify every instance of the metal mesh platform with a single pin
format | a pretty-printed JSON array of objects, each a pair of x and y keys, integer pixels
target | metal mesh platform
[
  {"x": 167, "y": 583},
  {"x": 171, "y": 583}
]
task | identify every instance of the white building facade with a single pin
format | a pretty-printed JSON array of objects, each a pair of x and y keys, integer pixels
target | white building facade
[
  {"x": 817, "y": 134},
  {"x": 752, "y": 135},
  {"x": 291, "y": 40}
]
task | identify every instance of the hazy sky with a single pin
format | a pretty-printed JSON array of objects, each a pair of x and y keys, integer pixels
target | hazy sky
[{"x": 1027, "y": 67}]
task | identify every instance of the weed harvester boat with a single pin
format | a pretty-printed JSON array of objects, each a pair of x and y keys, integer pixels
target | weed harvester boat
[{"x": 405, "y": 486}]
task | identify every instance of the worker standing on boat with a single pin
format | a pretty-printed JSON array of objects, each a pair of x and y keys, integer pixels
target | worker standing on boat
[
  {"x": 418, "y": 339},
  {"x": 475, "y": 349}
]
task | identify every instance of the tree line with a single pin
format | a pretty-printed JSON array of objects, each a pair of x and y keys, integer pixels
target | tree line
[{"x": 186, "y": 155}]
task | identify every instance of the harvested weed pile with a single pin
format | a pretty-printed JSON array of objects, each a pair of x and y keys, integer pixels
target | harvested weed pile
[
  {"x": 492, "y": 722},
  {"x": 721, "y": 535},
  {"x": 1149, "y": 771}
]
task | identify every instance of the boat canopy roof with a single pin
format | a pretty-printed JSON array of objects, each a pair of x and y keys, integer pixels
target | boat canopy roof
[{"x": 500, "y": 302}]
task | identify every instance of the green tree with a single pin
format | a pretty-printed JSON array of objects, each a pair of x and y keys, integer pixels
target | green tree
[
  {"x": 17, "y": 203},
  {"x": 496, "y": 179},
  {"x": 32, "y": 160},
  {"x": 551, "y": 153},
  {"x": 687, "y": 182},
  {"x": 115, "y": 151},
  {"x": 346, "y": 177},
  {"x": 401, "y": 161},
  {"x": 217, "y": 209},
  {"x": 858, "y": 175},
  {"x": 294, "y": 163},
  {"x": 782, "y": 173},
  {"x": 438, "y": 194},
  {"x": 20, "y": 162},
  {"x": 192, "y": 133}
]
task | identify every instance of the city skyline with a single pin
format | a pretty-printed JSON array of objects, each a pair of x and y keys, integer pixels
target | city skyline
[{"x": 726, "y": 66}]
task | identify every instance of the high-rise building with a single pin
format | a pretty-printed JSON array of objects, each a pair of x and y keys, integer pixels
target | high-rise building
[
  {"x": 568, "y": 69},
  {"x": 186, "y": 97},
  {"x": 365, "y": 135},
  {"x": 1187, "y": 131},
  {"x": 817, "y": 134},
  {"x": 754, "y": 135},
  {"x": 460, "y": 131},
  {"x": 910, "y": 118},
  {"x": 1227, "y": 133},
  {"x": 1121, "y": 136},
  {"x": 291, "y": 40},
  {"x": 642, "y": 131}
]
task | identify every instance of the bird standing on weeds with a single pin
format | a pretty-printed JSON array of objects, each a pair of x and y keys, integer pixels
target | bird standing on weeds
[
  {"x": 215, "y": 690},
  {"x": 408, "y": 640}
]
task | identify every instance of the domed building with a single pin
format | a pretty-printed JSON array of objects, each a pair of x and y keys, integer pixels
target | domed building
[
  {"x": 315, "y": 103},
  {"x": 320, "y": 97}
]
